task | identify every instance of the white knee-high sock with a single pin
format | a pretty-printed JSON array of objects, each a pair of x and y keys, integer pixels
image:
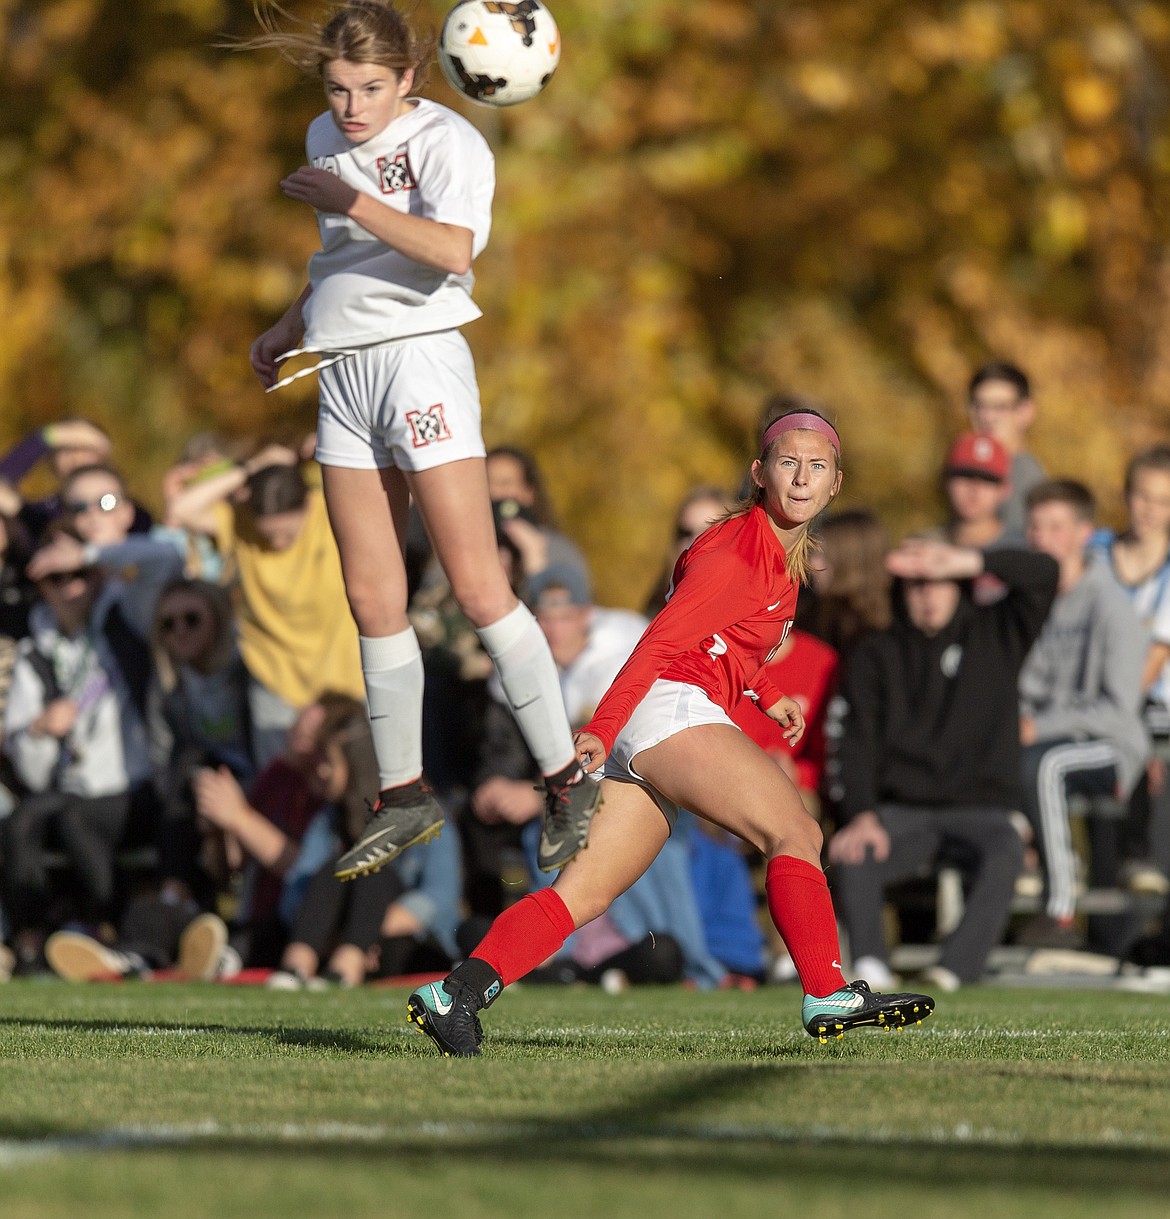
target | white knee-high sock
[
  {"x": 528, "y": 674},
  {"x": 393, "y": 669}
]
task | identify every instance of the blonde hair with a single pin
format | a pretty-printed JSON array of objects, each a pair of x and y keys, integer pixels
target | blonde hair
[
  {"x": 797, "y": 556},
  {"x": 360, "y": 31}
]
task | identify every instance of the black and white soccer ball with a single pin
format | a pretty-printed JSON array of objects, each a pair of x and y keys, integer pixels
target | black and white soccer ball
[{"x": 499, "y": 52}]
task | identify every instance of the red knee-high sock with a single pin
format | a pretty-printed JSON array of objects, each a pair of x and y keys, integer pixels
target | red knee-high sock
[
  {"x": 525, "y": 935},
  {"x": 801, "y": 908}
]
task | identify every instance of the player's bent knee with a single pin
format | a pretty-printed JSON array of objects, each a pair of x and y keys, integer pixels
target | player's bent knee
[
  {"x": 485, "y": 606},
  {"x": 802, "y": 838},
  {"x": 376, "y": 610},
  {"x": 585, "y": 907}
]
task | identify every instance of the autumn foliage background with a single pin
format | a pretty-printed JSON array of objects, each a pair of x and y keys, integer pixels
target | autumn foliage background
[{"x": 713, "y": 200}]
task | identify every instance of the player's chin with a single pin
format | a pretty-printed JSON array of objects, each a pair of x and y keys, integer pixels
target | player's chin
[{"x": 799, "y": 512}]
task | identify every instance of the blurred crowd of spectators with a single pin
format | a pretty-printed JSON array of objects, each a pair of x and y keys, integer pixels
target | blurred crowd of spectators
[{"x": 186, "y": 751}]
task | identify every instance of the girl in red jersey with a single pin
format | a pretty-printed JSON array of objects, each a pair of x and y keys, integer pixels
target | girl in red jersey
[{"x": 662, "y": 737}]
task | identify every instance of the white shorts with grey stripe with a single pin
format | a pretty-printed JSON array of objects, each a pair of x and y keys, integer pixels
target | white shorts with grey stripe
[
  {"x": 668, "y": 708},
  {"x": 413, "y": 404}
]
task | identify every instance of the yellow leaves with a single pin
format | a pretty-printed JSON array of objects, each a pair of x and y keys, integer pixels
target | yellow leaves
[
  {"x": 203, "y": 14},
  {"x": 272, "y": 285},
  {"x": 715, "y": 200},
  {"x": 723, "y": 21},
  {"x": 889, "y": 228},
  {"x": 906, "y": 75},
  {"x": 975, "y": 35},
  {"x": 1152, "y": 20},
  {"x": 1090, "y": 98},
  {"x": 700, "y": 163},
  {"x": 1062, "y": 225},
  {"x": 960, "y": 189},
  {"x": 1084, "y": 158},
  {"x": 824, "y": 85},
  {"x": 980, "y": 33}
]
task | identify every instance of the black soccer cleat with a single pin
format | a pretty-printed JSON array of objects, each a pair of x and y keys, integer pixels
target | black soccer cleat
[
  {"x": 401, "y": 816},
  {"x": 856, "y": 1006},
  {"x": 568, "y": 812},
  {"x": 446, "y": 1012}
]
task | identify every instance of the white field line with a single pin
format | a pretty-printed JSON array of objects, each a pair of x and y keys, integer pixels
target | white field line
[
  {"x": 786, "y": 1036},
  {"x": 15, "y": 1153},
  {"x": 781, "y": 1036}
]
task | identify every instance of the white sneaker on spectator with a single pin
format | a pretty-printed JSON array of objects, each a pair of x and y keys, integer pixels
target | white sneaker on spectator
[
  {"x": 203, "y": 940},
  {"x": 1030, "y": 883},
  {"x": 230, "y": 963},
  {"x": 285, "y": 979},
  {"x": 614, "y": 981},
  {"x": 874, "y": 971},
  {"x": 939, "y": 978},
  {"x": 80, "y": 958},
  {"x": 1142, "y": 876}
]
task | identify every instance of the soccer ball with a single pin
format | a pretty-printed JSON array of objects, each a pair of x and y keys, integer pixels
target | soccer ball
[{"x": 499, "y": 52}]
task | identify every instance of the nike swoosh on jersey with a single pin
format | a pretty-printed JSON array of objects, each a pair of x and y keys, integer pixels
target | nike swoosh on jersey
[{"x": 776, "y": 606}]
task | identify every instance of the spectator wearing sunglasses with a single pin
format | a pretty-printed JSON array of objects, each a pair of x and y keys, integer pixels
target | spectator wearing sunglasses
[
  {"x": 75, "y": 727},
  {"x": 199, "y": 717},
  {"x": 68, "y": 445},
  {"x": 95, "y": 501},
  {"x": 700, "y": 508}
]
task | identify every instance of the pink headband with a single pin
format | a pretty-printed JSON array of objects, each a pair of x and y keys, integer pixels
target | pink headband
[{"x": 806, "y": 421}]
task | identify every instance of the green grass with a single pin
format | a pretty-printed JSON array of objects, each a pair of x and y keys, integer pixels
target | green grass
[{"x": 190, "y": 1101}]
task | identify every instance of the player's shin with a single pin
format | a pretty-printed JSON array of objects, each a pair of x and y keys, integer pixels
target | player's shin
[
  {"x": 529, "y": 677},
  {"x": 524, "y": 936},
  {"x": 393, "y": 672},
  {"x": 802, "y": 909}
]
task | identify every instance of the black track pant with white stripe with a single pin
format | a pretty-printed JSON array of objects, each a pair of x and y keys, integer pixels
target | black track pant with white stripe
[{"x": 1054, "y": 770}]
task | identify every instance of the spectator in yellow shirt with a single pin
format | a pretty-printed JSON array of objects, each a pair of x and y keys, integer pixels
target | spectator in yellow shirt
[{"x": 297, "y": 637}]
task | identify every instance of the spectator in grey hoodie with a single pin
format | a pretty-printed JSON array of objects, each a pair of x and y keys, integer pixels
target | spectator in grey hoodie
[{"x": 1080, "y": 696}]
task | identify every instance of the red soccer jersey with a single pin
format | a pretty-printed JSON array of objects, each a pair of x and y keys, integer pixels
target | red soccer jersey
[{"x": 730, "y": 606}]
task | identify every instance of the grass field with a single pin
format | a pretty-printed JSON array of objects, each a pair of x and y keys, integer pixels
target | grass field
[{"x": 190, "y": 1101}]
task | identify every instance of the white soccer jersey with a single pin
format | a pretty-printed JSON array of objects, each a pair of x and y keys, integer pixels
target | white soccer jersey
[{"x": 428, "y": 162}]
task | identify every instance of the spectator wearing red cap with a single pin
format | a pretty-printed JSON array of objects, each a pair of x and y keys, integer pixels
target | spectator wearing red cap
[{"x": 977, "y": 480}]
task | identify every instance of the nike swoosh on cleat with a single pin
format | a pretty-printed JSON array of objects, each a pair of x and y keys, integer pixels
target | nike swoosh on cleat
[{"x": 441, "y": 1009}]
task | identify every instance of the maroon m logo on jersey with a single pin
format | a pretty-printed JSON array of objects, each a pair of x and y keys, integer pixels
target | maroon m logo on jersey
[{"x": 395, "y": 174}]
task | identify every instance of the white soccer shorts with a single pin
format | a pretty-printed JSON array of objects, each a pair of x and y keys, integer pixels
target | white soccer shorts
[
  {"x": 669, "y": 707},
  {"x": 413, "y": 404}
]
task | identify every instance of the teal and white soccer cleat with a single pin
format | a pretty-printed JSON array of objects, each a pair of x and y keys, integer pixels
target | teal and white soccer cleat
[
  {"x": 445, "y": 1011},
  {"x": 856, "y": 1006}
]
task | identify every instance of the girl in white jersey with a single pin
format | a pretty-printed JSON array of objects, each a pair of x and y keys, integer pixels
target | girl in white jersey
[{"x": 402, "y": 191}]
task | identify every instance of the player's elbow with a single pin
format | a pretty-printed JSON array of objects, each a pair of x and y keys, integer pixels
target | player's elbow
[
  {"x": 458, "y": 264},
  {"x": 457, "y": 254}
]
